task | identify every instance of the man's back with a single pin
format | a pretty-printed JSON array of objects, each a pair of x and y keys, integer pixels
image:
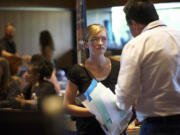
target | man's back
[
  {"x": 149, "y": 77},
  {"x": 155, "y": 54}
]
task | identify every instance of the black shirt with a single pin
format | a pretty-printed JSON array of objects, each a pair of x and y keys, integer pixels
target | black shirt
[
  {"x": 7, "y": 46},
  {"x": 79, "y": 76},
  {"x": 44, "y": 90}
]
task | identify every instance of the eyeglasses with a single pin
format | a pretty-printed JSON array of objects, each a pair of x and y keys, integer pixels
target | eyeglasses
[{"x": 97, "y": 39}]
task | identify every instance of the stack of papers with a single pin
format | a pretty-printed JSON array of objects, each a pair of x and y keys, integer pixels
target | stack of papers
[{"x": 101, "y": 101}]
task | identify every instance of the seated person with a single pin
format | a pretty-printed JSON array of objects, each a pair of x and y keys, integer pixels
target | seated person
[
  {"x": 7, "y": 44},
  {"x": 51, "y": 79},
  {"x": 9, "y": 88},
  {"x": 38, "y": 88}
]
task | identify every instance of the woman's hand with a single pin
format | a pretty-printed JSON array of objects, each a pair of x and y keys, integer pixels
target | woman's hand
[{"x": 69, "y": 102}]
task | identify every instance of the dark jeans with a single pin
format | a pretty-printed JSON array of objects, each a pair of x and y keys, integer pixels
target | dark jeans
[{"x": 169, "y": 125}]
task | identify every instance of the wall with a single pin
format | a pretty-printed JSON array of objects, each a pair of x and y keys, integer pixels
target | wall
[{"x": 30, "y": 21}]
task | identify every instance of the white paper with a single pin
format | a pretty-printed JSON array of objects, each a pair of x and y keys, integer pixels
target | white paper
[{"x": 101, "y": 101}]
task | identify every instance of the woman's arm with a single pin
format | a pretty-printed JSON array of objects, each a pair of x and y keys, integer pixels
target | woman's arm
[
  {"x": 69, "y": 102},
  {"x": 26, "y": 104},
  {"x": 25, "y": 101}
]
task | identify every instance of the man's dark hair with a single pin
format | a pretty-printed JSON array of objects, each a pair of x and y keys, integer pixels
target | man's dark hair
[
  {"x": 41, "y": 66},
  {"x": 142, "y": 11}
]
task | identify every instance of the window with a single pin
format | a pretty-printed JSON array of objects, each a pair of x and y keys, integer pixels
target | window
[{"x": 114, "y": 20}]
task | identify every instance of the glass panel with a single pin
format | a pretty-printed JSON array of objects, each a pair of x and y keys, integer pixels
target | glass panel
[{"x": 114, "y": 20}]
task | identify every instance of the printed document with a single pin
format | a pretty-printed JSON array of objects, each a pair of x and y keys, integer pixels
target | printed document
[{"x": 101, "y": 102}]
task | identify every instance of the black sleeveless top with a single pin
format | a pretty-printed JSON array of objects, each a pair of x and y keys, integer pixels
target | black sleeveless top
[{"x": 80, "y": 76}]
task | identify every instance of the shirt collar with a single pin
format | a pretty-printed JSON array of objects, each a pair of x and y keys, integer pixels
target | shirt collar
[{"x": 153, "y": 24}]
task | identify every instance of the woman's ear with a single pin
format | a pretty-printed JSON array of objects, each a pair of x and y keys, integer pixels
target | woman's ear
[{"x": 86, "y": 44}]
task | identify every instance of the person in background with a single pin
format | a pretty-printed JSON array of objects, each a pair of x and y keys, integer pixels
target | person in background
[
  {"x": 96, "y": 66},
  {"x": 47, "y": 49},
  {"x": 149, "y": 78},
  {"x": 9, "y": 51},
  {"x": 7, "y": 44},
  {"x": 38, "y": 88},
  {"x": 46, "y": 44},
  {"x": 9, "y": 88}
]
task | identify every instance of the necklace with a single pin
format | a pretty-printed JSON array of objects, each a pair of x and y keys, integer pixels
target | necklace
[{"x": 99, "y": 74}]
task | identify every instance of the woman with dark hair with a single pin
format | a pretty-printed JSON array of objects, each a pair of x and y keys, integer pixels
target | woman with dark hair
[
  {"x": 47, "y": 48},
  {"x": 9, "y": 88},
  {"x": 38, "y": 89},
  {"x": 46, "y": 44}
]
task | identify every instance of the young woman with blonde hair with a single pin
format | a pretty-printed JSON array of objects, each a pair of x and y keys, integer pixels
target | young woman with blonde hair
[{"x": 96, "y": 66}]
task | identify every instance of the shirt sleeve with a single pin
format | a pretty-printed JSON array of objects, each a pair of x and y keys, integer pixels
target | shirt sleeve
[
  {"x": 74, "y": 74},
  {"x": 128, "y": 84},
  {"x": 2, "y": 45}
]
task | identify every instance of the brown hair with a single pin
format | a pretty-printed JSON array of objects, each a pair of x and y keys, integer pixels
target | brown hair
[
  {"x": 46, "y": 40},
  {"x": 42, "y": 66}
]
